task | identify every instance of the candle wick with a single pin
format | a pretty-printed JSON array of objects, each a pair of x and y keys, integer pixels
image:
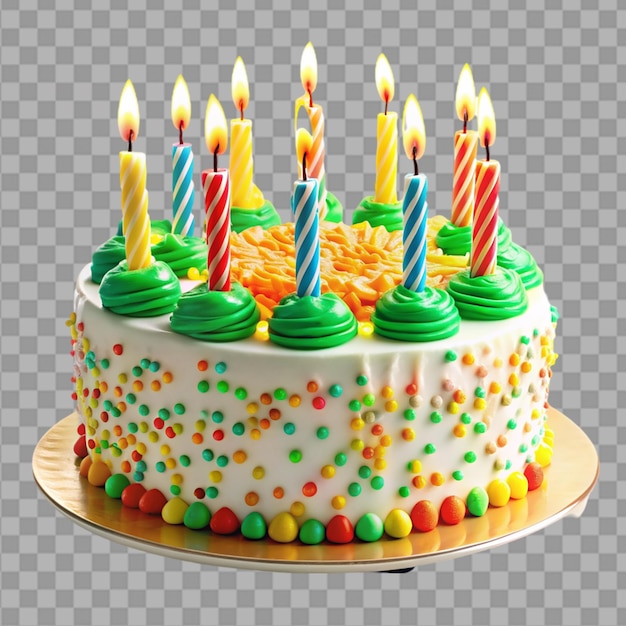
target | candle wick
[
  {"x": 215, "y": 157},
  {"x": 386, "y": 103},
  {"x": 464, "y": 122},
  {"x": 304, "y": 166},
  {"x": 416, "y": 170},
  {"x": 487, "y": 149},
  {"x": 130, "y": 140},
  {"x": 180, "y": 134},
  {"x": 241, "y": 111},
  {"x": 310, "y": 98}
]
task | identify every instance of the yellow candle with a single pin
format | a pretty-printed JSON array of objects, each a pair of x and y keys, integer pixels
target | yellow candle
[
  {"x": 387, "y": 137},
  {"x": 245, "y": 194},
  {"x": 136, "y": 223}
]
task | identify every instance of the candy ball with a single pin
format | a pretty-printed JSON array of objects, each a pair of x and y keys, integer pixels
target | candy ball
[
  {"x": 369, "y": 527},
  {"x": 283, "y": 528},
  {"x": 518, "y": 483},
  {"x": 85, "y": 464},
  {"x": 115, "y": 485},
  {"x": 152, "y": 502},
  {"x": 197, "y": 516},
  {"x": 424, "y": 516},
  {"x": 499, "y": 492},
  {"x": 452, "y": 510},
  {"x": 98, "y": 473},
  {"x": 398, "y": 523},
  {"x": 253, "y": 526},
  {"x": 131, "y": 496},
  {"x": 534, "y": 476},
  {"x": 339, "y": 530},
  {"x": 80, "y": 447},
  {"x": 174, "y": 511},
  {"x": 543, "y": 455},
  {"x": 224, "y": 522},
  {"x": 312, "y": 532},
  {"x": 477, "y": 501}
]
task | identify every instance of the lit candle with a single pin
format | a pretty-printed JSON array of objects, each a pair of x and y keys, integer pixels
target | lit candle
[
  {"x": 304, "y": 205},
  {"x": 136, "y": 224},
  {"x": 245, "y": 193},
  {"x": 386, "y": 136},
  {"x": 216, "y": 187},
  {"x": 414, "y": 205},
  {"x": 465, "y": 147},
  {"x": 182, "y": 161},
  {"x": 485, "y": 226},
  {"x": 317, "y": 154}
]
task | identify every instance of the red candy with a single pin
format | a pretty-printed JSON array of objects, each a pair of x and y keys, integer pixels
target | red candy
[
  {"x": 534, "y": 476},
  {"x": 152, "y": 502},
  {"x": 224, "y": 522},
  {"x": 319, "y": 403},
  {"x": 424, "y": 516},
  {"x": 118, "y": 349},
  {"x": 80, "y": 447},
  {"x": 339, "y": 530},
  {"x": 132, "y": 495},
  {"x": 91, "y": 443},
  {"x": 81, "y": 429},
  {"x": 199, "y": 493},
  {"x": 452, "y": 510}
]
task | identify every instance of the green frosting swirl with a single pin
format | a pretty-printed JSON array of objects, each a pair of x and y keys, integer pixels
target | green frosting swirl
[
  {"x": 378, "y": 214},
  {"x": 496, "y": 296},
  {"x": 181, "y": 253},
  {"x": 334, "y": 209},
  {"x": 406, "y": 315},
  {"x": 265, "y": 216},
  {"x": 157, "y": 227},
  {"x": 106, "y": 257},
  {"x": 521, "y": 261},
  {"x": 457, "y": 240},
  {"x": 146, "y": 292},
  {"x": 312, "y": 322},
  {"x": 216, "y": 315}
]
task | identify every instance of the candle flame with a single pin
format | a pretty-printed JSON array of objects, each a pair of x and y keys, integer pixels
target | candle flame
[
  {"x": 486, "y": 119},
  {"x": 308, "y": 68},
  {"x": 215, "y": 129},
  {"x": 466, "y": 94},
  {"x": 181, "y": 104},
  {"x": 304, "y": 141},
  {"x": 239, "y": 86},
  {"x": 384, "y": 78},
  {"x": 128, "y": 113},
  {"x": 413, "y": 131}
]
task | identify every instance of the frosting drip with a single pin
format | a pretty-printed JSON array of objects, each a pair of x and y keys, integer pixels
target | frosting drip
[
  {"x": 457, "y": 240},
  {"x": 521, "y": 261},
  {"x": 216, "y": 315},
  {"x": 181, "y": 253},
  {"x": 263, "y": 216},
  {"x": 334, "y": 209},
  {"x": 145, "y": 292},
  {"x": 106, "y": 257},
  {"x": 378, "y": 214},
  {"x": 312, "y": 322},
  {"x": 406, "y": 315},
  {"x": 496, "y": 296}
]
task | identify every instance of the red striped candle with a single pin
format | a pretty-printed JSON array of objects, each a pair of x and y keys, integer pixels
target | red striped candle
[
  {"x": 216, "y": 188},
  {"x": 485, "y": 225}
]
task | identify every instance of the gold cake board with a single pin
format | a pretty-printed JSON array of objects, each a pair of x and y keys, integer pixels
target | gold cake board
[{"x": 569, "y": 481}]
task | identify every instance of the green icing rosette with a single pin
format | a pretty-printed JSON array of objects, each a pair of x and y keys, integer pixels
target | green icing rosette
[
  {"x": 218, "y": 316},
  {"x": 457, "y": 240},
  {"x": 521, "y": 261},
  {"x": 145, "y": 292},
  {"x": 265, "y": 216},
  {"x": 334, "y": 209},
  {"x": 312, "y": 322},
  {"x": 106, "y": 257},
  {"x": 406, "y": 315},
  {"x": 497, "y": 296},
  {"x": 181, "y": 253},
  {"x": 378, "y": 214}
]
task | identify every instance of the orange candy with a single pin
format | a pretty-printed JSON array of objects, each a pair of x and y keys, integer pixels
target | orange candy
[
  {"x": 452, "y": 510},
  {"x": 98, "y": 473},
  {"x": 424, "y": 516}
]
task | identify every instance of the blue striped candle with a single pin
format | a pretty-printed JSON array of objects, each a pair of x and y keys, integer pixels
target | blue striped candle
[
  {"x": 415, "y": 212},
  {"x": 304, "y": 206},
  {"x": 182, "y": 189}
]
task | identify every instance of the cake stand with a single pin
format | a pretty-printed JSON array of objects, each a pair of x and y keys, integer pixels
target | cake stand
[{"x": 565, "y": 491}]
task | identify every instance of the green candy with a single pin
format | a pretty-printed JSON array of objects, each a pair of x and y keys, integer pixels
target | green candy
[
  {"x": 253, "y": 526},
  {"x": 312, "y": 532},
  {"x": 197, "y": 516},
  {"x": 115, "y": 484},
  {"x": 477, "y": 501},
  {"x": 369, "y": 528}
]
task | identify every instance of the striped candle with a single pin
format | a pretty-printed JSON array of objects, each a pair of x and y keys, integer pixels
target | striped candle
[
  {"x": 485, "y": 226},
  {"x": 465, "y": 148},
  {"x": 183, "y": 190},
  {"x": 415, "y": 213},
  {"x": 386, "y": 136},
  {"x": 304, "y": 205},
  {"x": 136, "y": 223},
  {"x": 216, "y": 188}
]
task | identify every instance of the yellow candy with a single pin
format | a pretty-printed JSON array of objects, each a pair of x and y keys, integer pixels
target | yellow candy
[
  {"x": 518, "y": 485},
  {"x": 543, "y": 455},
  {"x": 499, "y": 492},
  {"x": 98, "y": 473},
  {"x": 174, "y": 511},
  {"x": 398, "y": 524},
  {"x": 283, "y": 528}
]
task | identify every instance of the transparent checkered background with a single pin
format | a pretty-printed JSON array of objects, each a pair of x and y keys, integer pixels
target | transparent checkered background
[{"x": 557, "y": 79}]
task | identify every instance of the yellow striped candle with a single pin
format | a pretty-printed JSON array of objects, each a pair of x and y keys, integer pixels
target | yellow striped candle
[
  {"x": 136, "y": 222},
  {"x": 387, "y": 137}
]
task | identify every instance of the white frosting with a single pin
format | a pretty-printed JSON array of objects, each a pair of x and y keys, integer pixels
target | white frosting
[{"x": 261, "y": 368}]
